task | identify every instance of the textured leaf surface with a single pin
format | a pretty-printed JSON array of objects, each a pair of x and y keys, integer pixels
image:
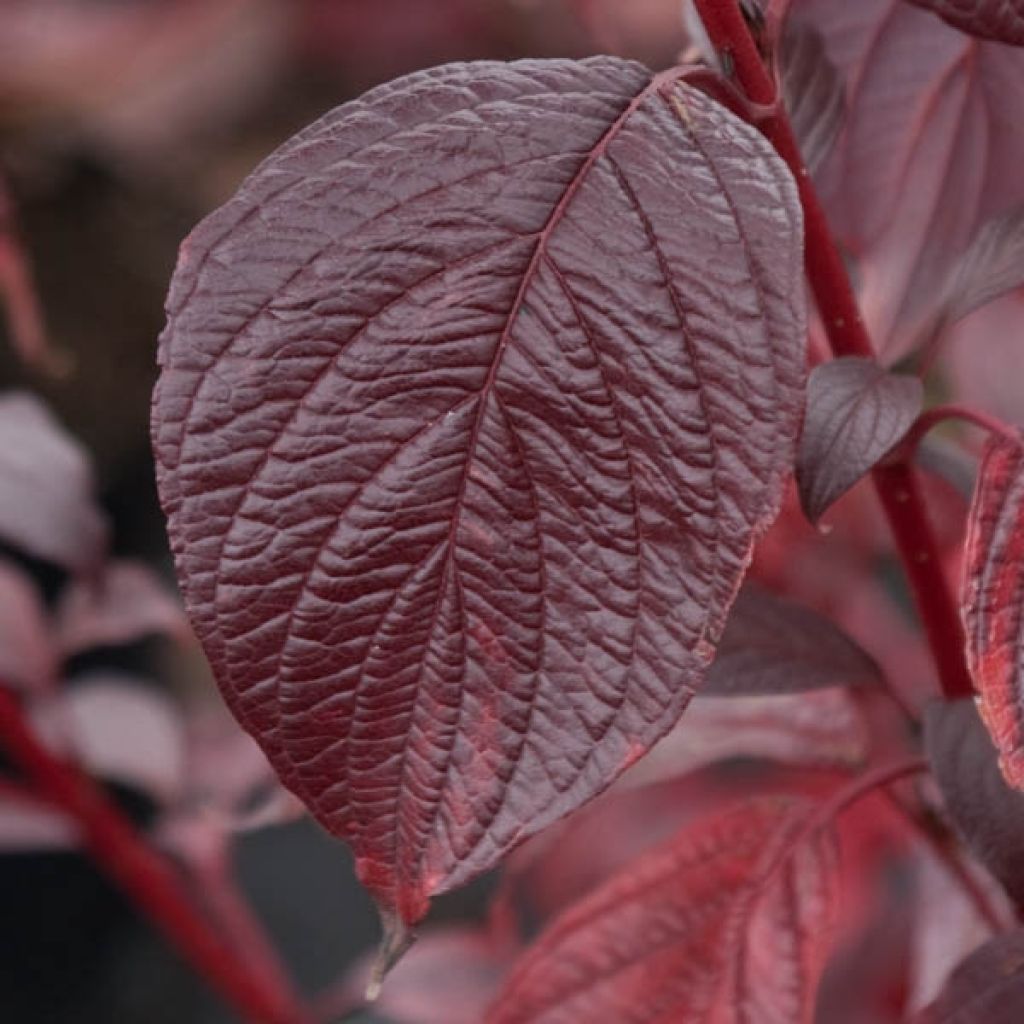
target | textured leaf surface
[
  {"x": 728, "y": 922},
  {"x": 772, "y": 645},
  {"x": 856, "y": 412},
  {"x": 930, "y": 150},
  {"x": 987, "y": 988},
  {"x": 1002, "y": 20},
  {"x": 992, "y": 600},
  {"x": 47, "y": 503},
  {"x": 987, "y": 813},
  {"x": 473, "y": 401}
]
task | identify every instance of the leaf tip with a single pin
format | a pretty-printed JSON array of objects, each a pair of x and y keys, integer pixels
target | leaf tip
[{"x": 394, "y": 944}]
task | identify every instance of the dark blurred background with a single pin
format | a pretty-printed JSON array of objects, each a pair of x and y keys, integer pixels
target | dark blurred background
[{"x": 122, "y": 122}]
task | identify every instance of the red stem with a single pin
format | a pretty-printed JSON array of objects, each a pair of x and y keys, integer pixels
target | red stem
[
  {"x": 941, "y": 413},
  {"x": 896, "y": 484},
  {"x": 142, "y": 873}
]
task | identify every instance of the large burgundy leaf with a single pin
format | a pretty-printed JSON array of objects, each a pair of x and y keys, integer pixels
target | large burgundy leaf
[
  {"x": 856, "y": 412},
  {"x": 1002, "y": 20},
  {"x": 988, "y": 814},
  {"x": 987, "y": 988},
  {"x": 728, "y": 922},
  {"x": 930, "y": 150},
  {"x": 473, "y": 401},
  {"x": 992, "y": 600},
  {"x": 773, "y": 645}
]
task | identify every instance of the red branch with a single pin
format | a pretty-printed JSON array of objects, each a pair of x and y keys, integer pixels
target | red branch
[
  {"x": 141, "y": 872},
  {"x": 897, "y": 486}
]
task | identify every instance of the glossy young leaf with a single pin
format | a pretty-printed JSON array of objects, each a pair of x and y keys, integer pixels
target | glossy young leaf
[
  {"x": 772, "y": 645},
  {"x": 856, "y": 412},
  {"x": 1002, "y": 20},
  {"x": 473, "y": 402},
  {"x": 987, "y": 988},
  {"x": 987, "y": 813},
  {"x": 992, "y": 600},
  {"x": 728, "y": 922}
]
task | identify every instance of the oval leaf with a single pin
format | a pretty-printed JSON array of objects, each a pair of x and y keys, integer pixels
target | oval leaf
[
  {"x": 728, "y": 922},
  {"x": 1002, "y": 20},
  {"x": 856, "y": 412},
  {"x": 987, "y": 988},
  {"x": 986, "y": 812},
  {"x": 473, "y": 401},
  {"x": 992, "y": 600},
  {"x": 772, "y": 645}
]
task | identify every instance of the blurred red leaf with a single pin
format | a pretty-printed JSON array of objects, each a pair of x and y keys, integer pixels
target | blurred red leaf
[
  {"x": 47, "y": 503},
  {"x": 772, "y": 645},
  {"x": 992, "y": 265},
  {"x": 29, "y": 658},
  {"x": 987, "y": 988},
  {"x": 856, "y": 412},
  {"x": 120, "y": 730},
  {"x": 987, "y": 813},
  {"x": 992, "y": 600},
  {"x": 1002, "y": 20},
  {"x": 812, "y": 90},
  {"x": 126, "y": 602},
  {"x": 730, "y": 921},
  {"x": 930, "y": 151}
]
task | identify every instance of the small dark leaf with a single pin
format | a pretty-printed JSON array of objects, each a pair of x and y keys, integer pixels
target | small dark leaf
[
  {"x": 856, "y": 412},
  {"x": 813, "y": 91},
  {"x": 728, "y": 922},
  {"x": 774, "y": 645},
  {"x": 987, "y": 988},
  {"x": 47, "y": 503},
  {"x": 992, "y": 265},
  {"x": 473, "y": 402},
  {"x": 992, "y": 600},
  {"x": 1002, "y": 20},
  {"x": 987, "y": 813}
]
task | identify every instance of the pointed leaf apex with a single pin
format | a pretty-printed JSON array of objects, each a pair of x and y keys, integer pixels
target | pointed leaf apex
[{"x": 394, "y": 944}]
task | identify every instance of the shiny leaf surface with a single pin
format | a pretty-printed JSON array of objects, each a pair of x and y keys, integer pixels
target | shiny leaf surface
[{"x": 473, "y": 402}]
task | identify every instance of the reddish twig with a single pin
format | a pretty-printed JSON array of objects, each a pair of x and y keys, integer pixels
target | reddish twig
[
  {"x": 140, "y": 871},
  {"x": 931, "y": 418},
  {"x": 897, "y": 486}
]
